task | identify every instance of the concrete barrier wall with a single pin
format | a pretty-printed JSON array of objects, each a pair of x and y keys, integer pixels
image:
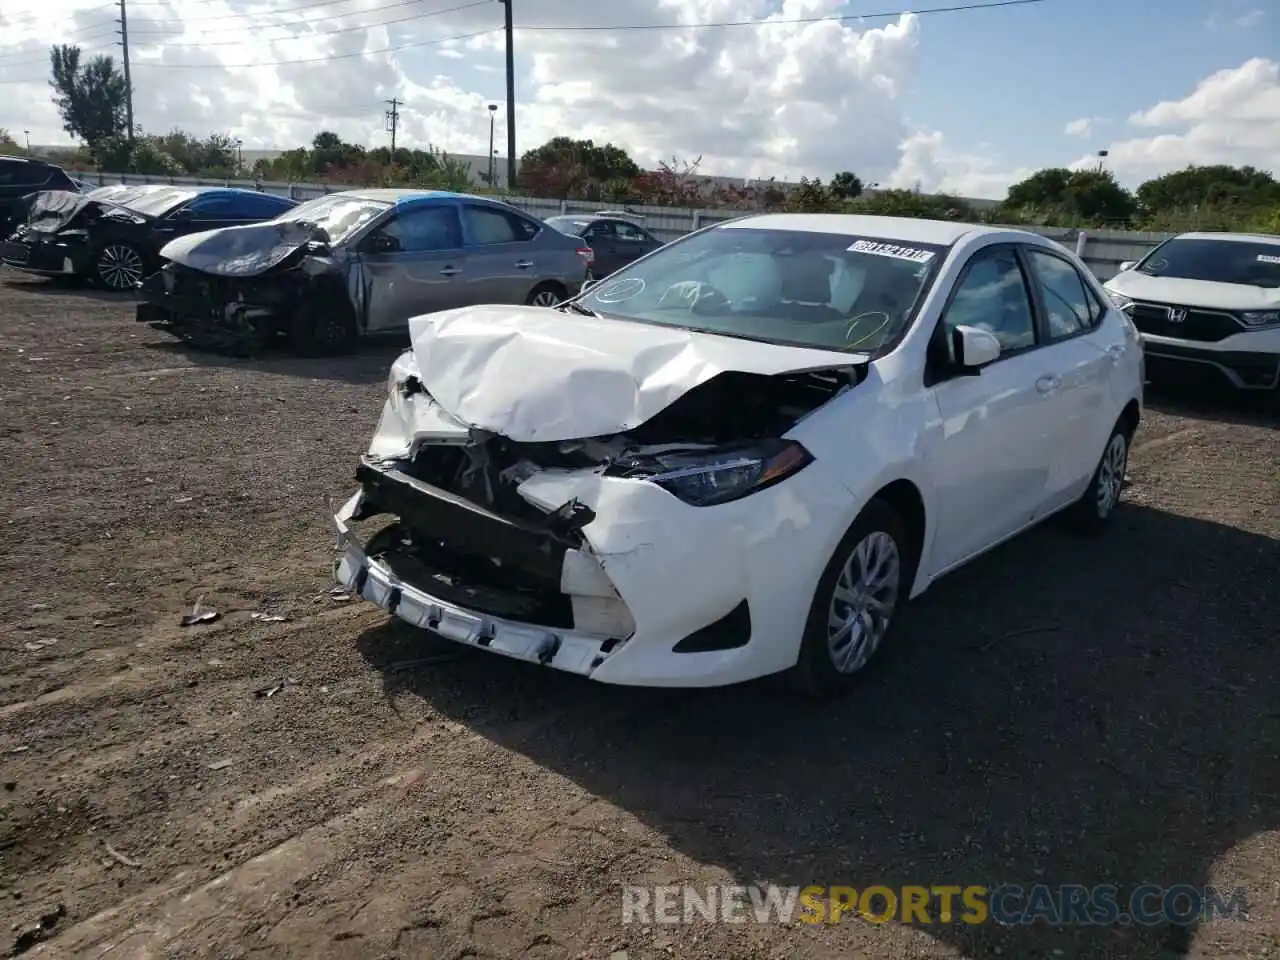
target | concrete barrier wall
[{"x": 1103, "y": 250}]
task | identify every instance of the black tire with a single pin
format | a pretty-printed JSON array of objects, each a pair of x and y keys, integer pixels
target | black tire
[
  {"x": 118, "y": 266},
  {"x": 321, "y": 328},
  {"x": 817, "y": 672},
  {"x": 542, "y": 291},
  {"x": 1092, "y": 513}
]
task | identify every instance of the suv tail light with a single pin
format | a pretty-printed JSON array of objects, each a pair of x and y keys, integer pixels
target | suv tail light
[{"x": 588, "y": 255}]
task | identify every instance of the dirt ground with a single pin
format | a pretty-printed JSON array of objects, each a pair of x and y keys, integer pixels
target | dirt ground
[{"x": 1064, "y": 711}]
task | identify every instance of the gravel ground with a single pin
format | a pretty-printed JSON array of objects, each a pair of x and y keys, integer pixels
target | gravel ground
[{"x": 1062, "y": 711}]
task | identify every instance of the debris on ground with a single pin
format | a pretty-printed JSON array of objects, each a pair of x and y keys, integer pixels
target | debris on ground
[
  {"x": 119, "y": 857},
  {"x": 200, "y": 615},
  {"x": 43, "y": 927},
  {"x": 268, "y": 617},
  {"x": 220, "y": 764},
  {"x": 271, "y": 689}
]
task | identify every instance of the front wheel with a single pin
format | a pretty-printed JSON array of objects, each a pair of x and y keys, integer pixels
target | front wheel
[
  {"x": 855, "y": 605},
  {"x": 119, "y": 266}
]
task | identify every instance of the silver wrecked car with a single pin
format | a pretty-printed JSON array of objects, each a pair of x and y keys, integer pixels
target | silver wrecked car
[{"x": 356, "y": 263}]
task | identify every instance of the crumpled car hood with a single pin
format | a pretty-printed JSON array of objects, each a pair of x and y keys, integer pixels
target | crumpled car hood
[
  {"x": 51, "y": 210},
  {"x": 243, "y": 251},
  {"x": 536, "y": 375},
  {"x": 1194, "y": 293}
]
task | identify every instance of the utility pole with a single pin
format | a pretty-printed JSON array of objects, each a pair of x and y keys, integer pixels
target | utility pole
[
  {"x": 393, "y": 121},
  {"x": 128, "y": 84},
  {"x": 511, "y": 96}
]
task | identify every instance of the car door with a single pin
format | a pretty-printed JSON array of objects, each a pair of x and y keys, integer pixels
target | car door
[
  {"x": 1071, "y": 314},
  {"x": 409, "y": 264},
  {"x": 503, "y": 264},
  {"x": 633, "y": 243},
  {"x": 602, "y": 238},
  {"x": 993, "y": 455}
]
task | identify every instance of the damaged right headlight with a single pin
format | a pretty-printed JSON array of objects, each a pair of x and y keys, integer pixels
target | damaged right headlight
[{"x": 706, "y": 478}]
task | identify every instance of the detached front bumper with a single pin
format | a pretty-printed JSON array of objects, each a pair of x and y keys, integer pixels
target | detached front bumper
[
  {"x": 650, "y": 592},
  {"x": 45, "y": 258},
  {"x": 377, "y": 581}
]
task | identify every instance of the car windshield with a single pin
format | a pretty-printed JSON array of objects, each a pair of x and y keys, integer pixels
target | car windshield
[
  {"x": 337, "y": 215},
  {"x": 569, "y": 226},
  {"x": 1253, "y": 263},
  {"x": 824, "y": 290},
  {"x": 155, "y": 203}
]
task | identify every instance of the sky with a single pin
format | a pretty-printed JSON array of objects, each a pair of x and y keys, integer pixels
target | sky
[{"x": 966, "y": 102}]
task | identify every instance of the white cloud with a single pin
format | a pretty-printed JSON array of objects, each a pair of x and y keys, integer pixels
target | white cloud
[
  {"x": 780, "y": 100},
  {"x": 1232, "y": 117},
  {"x": 929, "y": 163}
]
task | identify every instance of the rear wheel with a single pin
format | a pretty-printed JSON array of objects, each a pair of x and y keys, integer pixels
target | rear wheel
[
  {"x": 1091, "y": 513},
  {"x": 855, "y": 605},
  {"x": 119, "y": 266},
  {"x": 546, "y": 295}
]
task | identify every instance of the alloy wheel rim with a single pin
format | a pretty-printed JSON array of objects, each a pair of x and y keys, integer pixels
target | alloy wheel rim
[
  {"x": 1111, "y": 474},
  {"x": 863, "y": 601},
  {"x": 545, "y": 298},
  {"x": 120, "y": 267}
]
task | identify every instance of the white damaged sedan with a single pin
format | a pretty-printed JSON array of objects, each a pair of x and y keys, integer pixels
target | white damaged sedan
[{"x": 743, "y": 453}]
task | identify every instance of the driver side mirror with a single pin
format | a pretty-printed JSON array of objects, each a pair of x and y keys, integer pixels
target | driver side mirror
[
  {"x": 383, "y": 243},
  {"x": 1128, "y": 265},
  {"x": 974, "y": 348}
]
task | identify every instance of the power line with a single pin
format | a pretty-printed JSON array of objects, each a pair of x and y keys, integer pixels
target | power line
[
  {"x": 156, "y": 37},
  {"x": 324, "y": 59},
  {"x": 835, "y": 18},
  {"x": 572, "y": 28},
  {"x": 326, "y": 3}
]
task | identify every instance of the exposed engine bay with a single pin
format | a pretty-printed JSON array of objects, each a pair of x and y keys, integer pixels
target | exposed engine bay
[
  {"x": 730, "y": 410},
  {"x": 242, "y": 287}
]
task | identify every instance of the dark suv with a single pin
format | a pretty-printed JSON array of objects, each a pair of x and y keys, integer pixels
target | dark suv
[{"x": 20, "y": 177}]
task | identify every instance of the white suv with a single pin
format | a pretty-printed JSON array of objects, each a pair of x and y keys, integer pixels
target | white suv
[
  {"x": 741, "y": 454},
  {"x": 1207, "y": 303}
]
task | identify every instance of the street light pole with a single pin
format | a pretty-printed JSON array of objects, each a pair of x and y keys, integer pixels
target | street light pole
[{"x": 493, "y": 112}]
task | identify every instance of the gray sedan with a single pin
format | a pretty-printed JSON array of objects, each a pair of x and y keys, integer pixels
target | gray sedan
[{"x": 357, "y": 263}]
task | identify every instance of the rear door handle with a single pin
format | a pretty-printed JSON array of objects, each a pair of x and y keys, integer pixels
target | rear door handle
[
  {"x": 450, "y": 272},
  {"x": 1047, "y": 384},
  {"x": 524, "y": 264}
]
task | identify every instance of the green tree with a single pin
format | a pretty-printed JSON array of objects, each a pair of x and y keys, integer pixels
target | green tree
[
  {"x": 1195, "y": 186},
  {"x": 1060, "y": 194},
  {"x": 7, "y": 143},
  {"x": 909, "y": 203},
  {"x": 90, "y": 97},
  {"x": 564, "y": 167},
  {"x": 846, "y": 185}
]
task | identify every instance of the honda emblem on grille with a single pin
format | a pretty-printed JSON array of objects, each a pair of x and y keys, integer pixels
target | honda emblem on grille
[{"x": 1177, "y": 314}]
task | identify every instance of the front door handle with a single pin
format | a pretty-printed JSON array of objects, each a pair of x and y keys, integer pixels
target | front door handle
[
  {"x": 450, "y": 272},
  {"x": 524, "y": 264},
  {"x": 1047, "y": 384}
]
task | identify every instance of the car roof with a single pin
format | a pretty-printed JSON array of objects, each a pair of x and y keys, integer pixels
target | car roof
[
  {"x": 403, "y": 195},
  {"x": 1232, "y": 237},
  {"x": 910, "y": 229},
  {"x": 34, "y": 161}
]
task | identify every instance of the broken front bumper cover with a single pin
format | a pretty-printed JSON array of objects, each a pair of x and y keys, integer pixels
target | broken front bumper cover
[{"x": 375, "y": 581}]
